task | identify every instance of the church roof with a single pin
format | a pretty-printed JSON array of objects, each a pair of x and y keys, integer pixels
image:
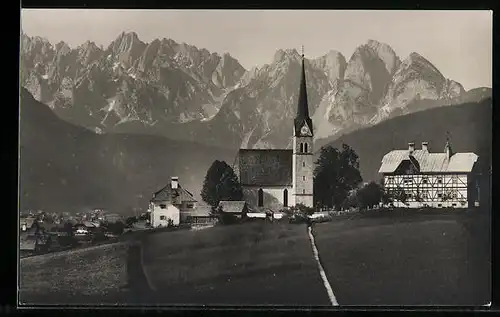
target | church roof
[
  {"x": 430, "y": 162},
  {"x": 265, "y": 167}
]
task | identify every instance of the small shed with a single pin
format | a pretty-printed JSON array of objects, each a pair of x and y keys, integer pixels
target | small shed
[
  {"x": 201, "y": 215},
  {"x": 237, "y": 208}
]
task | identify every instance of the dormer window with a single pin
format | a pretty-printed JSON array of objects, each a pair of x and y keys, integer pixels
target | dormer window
[{"x": 163, "y": 206}]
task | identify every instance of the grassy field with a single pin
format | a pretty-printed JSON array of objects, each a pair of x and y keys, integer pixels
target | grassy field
[
  {"x": 248, "y": 264},
  {"x": 95, "y": 275},
  {"x": 407, "y": 258}
]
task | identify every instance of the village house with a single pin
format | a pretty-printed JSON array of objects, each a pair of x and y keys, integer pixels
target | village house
[
  {"x": 237, "y": 208},
  {"x": 277, "y": 178},
  {"x": 444, "y": 179},
  {"x": 169, "y": 203}
]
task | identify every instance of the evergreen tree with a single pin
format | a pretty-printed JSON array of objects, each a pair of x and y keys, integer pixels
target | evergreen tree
[{"x": 221, "y": 183}]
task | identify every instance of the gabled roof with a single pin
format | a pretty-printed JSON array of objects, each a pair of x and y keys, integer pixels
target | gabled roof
[
  {"x": 430, "y": 162},
  {"x": 174, "y": 196},
  {"x": 201, "y": 211},
  {"x": 265, "y": 167},
  {"x": 236, "y": 206}
]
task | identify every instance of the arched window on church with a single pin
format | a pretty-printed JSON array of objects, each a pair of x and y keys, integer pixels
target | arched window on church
[
  {"x": 261, "y": 197},
  {"x": 305, "y": 147},
  {"x": 301, "y": 148},
  {"x": 285, "y": 198}
]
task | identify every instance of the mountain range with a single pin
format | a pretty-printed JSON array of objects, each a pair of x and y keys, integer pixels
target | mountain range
[{"x": 186, "y": 93}]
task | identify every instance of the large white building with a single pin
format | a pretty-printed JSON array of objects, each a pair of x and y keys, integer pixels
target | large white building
[
  {"x": 169, "y": 203},
  {"x": 438, "y": 180},
  {"x": 275, "y": 178}
]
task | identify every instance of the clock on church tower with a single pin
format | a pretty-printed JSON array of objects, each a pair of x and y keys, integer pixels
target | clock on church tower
[{"x": 304, "y": 131}]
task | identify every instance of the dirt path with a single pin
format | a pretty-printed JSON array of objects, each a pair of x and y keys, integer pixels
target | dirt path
[{"x": 326, "y": 283}]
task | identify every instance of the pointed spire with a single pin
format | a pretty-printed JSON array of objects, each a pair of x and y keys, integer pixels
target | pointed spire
[{"x": 303, "y": 106}]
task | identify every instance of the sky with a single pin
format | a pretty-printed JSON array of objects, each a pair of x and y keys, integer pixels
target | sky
[{"x": 458, "y": 43}]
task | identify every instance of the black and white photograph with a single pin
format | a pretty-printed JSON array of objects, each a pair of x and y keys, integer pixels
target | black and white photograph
[{"x": 255, "y": 158}]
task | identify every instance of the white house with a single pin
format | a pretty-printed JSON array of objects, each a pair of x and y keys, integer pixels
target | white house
[
  {"x": 169, "y": 203},
  {"x": 276, "y": 178},
  {"x": 444, "y": 179}
]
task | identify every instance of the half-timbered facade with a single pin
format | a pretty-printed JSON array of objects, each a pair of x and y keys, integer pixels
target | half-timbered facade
[{"x": 418, "y": 178}]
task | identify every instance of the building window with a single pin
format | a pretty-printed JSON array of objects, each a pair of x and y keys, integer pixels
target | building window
[
  {"x": 303, "y": 164},
  {"x": 440, "y": 180},
  {"x": 303, "y": 191},
  {"x": 439, "y": 205},
  {"x": 285, "y": 198},
  {"x": 303, "y": 178},
  {"x": 454, "y": 205},
  {"x": 261, "y": 198},
  {"x": 190, "y": 205},
  {"x": 305, "y": 147},
  {"x": 424, "y": 180},
  {"x": 440, "y": 195},
  {"x": 163, "y": 206},
  {"x": 407, "y": 180},
  {"x": 163, "y": 218},
  {"x": 301, "y": 147}
]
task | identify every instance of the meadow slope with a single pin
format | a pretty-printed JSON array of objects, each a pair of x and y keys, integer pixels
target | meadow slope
[
  {"x": 248, "y": 264},
  {"x": 409, "y": 258}
]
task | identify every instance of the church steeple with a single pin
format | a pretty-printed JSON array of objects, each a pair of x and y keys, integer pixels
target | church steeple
[{"x": 302, "y": 116}]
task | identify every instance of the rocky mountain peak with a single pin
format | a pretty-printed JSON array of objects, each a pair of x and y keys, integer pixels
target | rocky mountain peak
[
  {"x": 386, "y": 54},
  {"x": 286, "y": 55},
  {"x": 334, "y": 63},
  {"x": 127, "y": 47}
]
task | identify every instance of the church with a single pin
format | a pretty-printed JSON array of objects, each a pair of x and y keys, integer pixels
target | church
[{"x": 277, "y": 178}]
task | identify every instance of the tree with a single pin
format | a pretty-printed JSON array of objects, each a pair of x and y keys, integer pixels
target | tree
[
  {"x": 370, "y": 195},
  {"x": 400, "y": 195},
  {"x": 221, "y": 183},
  {"x": 116, "y": 227},
  {"x": 387, "y": 198},
  {"x": 336, "y": 174},
  {"x": 130, "y": 221}
]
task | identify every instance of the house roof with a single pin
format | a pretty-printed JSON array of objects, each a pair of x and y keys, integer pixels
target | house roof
[
  {"x": 173, "y": 195},
  {"x": 265, "y": 167},
  {"x": 430, "y": 162},
  {"x": 28, "y": 221},
  {"x": 201, "y": 212},
  {"x": 236, "y": 206}
]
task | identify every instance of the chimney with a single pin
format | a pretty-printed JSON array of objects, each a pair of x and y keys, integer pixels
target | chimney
[
  {"x": 448, "y": 150},
  {"x": 175, "y": 182},
  {"x": 424, "y": 146},
  {"x": 411, "y": 147}
]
